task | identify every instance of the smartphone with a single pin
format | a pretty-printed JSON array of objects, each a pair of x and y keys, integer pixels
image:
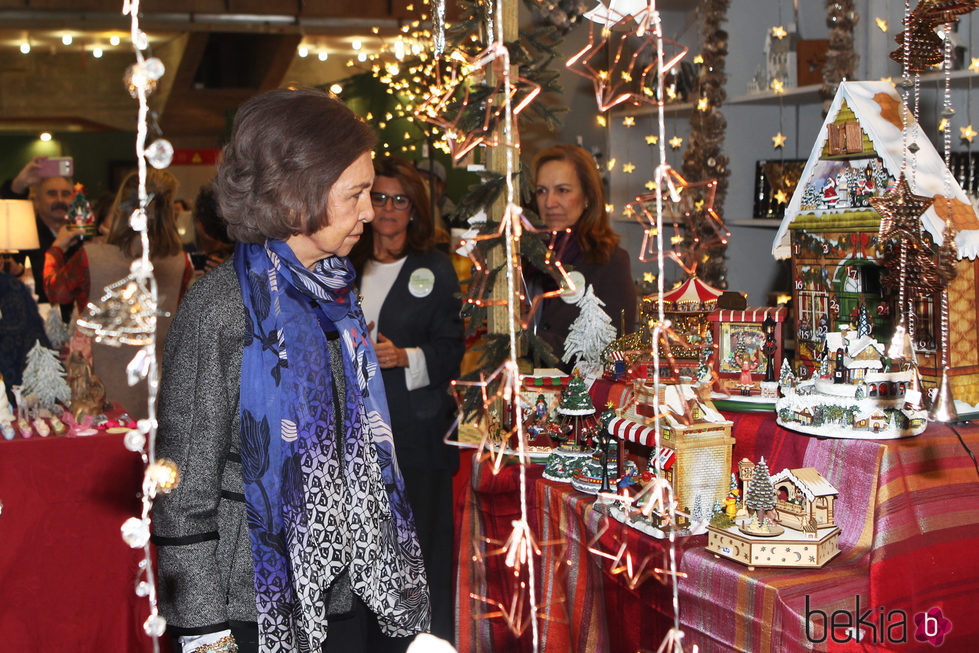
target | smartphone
[
  {"x": 199, "y": 260},
  {"x": 57, "y": 166}
]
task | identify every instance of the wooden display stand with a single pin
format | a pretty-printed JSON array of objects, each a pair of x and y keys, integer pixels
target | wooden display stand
[{"x": 790, "y": 549}]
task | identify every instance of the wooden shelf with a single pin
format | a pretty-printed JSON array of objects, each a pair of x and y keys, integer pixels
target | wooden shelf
[
  {"x": 799, "y": 94},
  {"x": 763, "y": 223}
]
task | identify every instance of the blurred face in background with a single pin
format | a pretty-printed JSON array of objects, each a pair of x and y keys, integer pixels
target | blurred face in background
[
  {"x": 51, "y": 200},
  {"x": 392, "y": 208},
  {"x": 560, "y": 198}
]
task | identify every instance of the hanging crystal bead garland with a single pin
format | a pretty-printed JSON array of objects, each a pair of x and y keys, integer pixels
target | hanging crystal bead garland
[
  {"x": 126, "y": 314},
  {"x": 943, "y": 408}
]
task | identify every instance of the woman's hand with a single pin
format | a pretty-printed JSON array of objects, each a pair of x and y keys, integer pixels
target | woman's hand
[{"x": 388, "y": 354}]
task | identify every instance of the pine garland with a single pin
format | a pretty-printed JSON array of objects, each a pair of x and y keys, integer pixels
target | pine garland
[{"x": 703, "y": 158}]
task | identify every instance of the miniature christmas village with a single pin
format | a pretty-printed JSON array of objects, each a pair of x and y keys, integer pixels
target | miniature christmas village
[
  {"x": 786, "y": 520},
  {"x": 851, "y": 396}
]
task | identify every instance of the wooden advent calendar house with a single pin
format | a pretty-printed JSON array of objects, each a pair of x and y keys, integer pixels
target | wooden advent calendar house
[{"x": 830, "y": 232}]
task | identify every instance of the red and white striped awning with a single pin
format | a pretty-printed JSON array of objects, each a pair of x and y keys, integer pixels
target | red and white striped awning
[
  {"x": 626, "y": 429},
  {"x": 692, "y": 295},
  {"x": 750, "y": 314}
]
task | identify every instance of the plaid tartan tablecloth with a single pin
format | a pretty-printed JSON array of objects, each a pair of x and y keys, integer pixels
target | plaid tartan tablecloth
[{"x": 909, "y": 517}]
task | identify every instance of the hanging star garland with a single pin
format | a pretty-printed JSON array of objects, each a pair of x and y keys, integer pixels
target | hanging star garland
[
  {"x": 781, "y": 197},
  {"x": 924, "y": 47},
  {"x": 625, "y": 79},
  {"x": 779, "y": 32},
  {"x": 652, "y": 139},
  {"x": 967, "y": 133},
  {"x": 778, "y": 140},
  {"x": 676, "y": 142}
]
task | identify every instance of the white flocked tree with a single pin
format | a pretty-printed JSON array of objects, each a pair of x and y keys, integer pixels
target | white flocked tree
[
  {"x": 589, "y": 335},
  {"x": 44, "y": 377}
]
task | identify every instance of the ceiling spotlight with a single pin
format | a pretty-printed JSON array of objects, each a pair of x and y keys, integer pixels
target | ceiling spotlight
[
  {"x": 25, "y": 48},
  {"x": 362, "y": 56},
  {"x": 97, "y": 53},
  {"x": 336, "y": 89},
  {"x": 45, "y": 136},
  {"x": 66, "y": 39},
  {"x": 356, "y": 44},
  {"x": 303, "y": 51},
  {"x": 323, "y": 55},
  {"x": 113, "y": 40}
]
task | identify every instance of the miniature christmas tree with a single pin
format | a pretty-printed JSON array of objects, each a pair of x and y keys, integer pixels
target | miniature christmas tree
[
  {"x": 786, "y": 378},
  {"x": 824, "y": 367},
  {"x": 44, "y": 377},
  {"x": 80, "y": 215},
  {"x": 575, "y": 399},
  {"x": 760, "y": 496},
  {"x": 56, "y": 330},
  {"x": 697, "y": 514},
  {"x": 590, "y": 333}
]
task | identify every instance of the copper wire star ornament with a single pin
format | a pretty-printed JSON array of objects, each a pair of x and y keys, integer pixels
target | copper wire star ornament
[
  {"x": 471, "y": 126},
  {"x": 627, "y": 79},
  {"x": 696, "y": 225},
  {"x": 521, "y": 550},
  {"x": 514, "y": 218},
  {"x": 900, "y": 211}
]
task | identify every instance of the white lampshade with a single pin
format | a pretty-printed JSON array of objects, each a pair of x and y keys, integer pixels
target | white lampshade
[{"x": 18, "y": 231}]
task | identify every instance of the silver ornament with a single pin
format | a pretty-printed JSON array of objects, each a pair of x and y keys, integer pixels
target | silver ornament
[
  {"x": 160, "y": 153},
  {"x": 136, "y": 532},
  {"x": 142, "y": 588},
  {"x": 141, "y": 41}
]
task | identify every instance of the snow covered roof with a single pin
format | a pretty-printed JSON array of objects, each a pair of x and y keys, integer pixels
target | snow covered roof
[
  {"x": 877, "y": 107},
  {"x": 854, "y": 348},
  {"x": 809, "y": 480}
]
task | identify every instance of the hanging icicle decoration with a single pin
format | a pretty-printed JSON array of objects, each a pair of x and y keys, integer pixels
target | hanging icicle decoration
[{"x": 438, "y": 27}]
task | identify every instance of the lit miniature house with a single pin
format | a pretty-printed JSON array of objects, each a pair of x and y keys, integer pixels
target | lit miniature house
[
  {"x": 830, "y": 232},
  {"x": 696, "y": 442},
  {"x": 804, "y": 499}
]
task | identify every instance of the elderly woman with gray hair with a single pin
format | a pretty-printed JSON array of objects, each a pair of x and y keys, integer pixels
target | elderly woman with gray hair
[{"x": 289, "y": 530}]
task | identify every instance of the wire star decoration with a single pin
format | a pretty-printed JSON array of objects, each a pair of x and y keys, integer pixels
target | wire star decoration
[
  {"x": 696, "y": 225},
  {"x": 628, "y": 78},
  {"x": 477, "y": 109}
]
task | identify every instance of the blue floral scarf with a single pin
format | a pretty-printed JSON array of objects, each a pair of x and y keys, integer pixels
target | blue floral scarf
[{"x": 324, "y": 494}]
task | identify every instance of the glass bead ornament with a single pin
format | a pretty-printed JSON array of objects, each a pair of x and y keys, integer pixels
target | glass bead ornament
[
  {"x": 159, "y": 153},
  {"x": 142, "y": 588},
  {"x": 155, "y": 625},
  {"x": 154, "y": 68},
  {"x": 141, "y": 41},
  {"x": 138, "y": 221},
  {"x": 138, "y": 368},
  {"x": 163, "y": 475},
  {"x": 136, "y": 532},
  {"x": 134, "y": 441},
  {"x": 135, "y": 78}
]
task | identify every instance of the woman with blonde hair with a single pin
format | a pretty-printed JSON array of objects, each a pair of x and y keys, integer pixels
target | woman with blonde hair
[{"x": 80, "y": 279}]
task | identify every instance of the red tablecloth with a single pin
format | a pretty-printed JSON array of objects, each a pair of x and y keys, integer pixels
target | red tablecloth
[
  {"x": 909, "y": 516},
  {"x": 66, "y": 576}
]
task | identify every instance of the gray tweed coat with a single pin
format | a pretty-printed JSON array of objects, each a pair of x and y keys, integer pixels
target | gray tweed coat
[{"x": 206, "y": 576}]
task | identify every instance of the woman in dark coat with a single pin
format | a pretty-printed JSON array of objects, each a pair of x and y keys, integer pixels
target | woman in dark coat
[{"x": 411, "y": 301}]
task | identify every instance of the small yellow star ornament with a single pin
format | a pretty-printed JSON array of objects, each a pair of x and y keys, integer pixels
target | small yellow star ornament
[
  {"x": 778, "y": 140},
  {"x": 967, "y": 133}
]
